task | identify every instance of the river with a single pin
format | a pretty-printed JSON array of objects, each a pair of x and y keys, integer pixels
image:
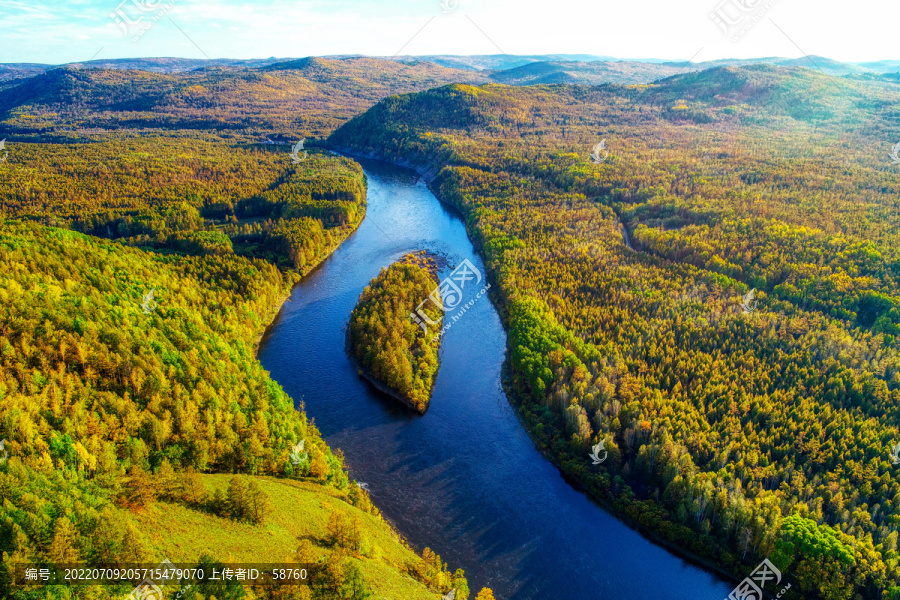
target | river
[{"x": 464, "y": 479}]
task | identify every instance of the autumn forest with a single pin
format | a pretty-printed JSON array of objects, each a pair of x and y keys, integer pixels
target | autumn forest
[{"x": 701, "y": 270}]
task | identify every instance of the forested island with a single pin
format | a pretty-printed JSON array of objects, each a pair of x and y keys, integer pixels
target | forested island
[{"x": 397, "y": 353}]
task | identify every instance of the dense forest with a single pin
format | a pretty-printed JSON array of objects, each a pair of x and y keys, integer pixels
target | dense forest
[
  {"x": 136, "y": 276},
  {"x": 124, "y": 375},
  {"x": 739, "y": 425},
  {"x": 310, "y": 96},
  {"x": 200, "y": 195},
  {"x": 387, "y": 343},
  {"x": 714, "y": 295}
]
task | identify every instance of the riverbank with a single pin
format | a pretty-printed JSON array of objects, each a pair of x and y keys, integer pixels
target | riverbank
[
  {"x": 366, "y": 374},
  {"x": 515, "y": 401},
  {"x": 297, "y": 277},
  {"x": 429, "y": 173},
  {"x": 378, "y": 385},
  {"x": 426, "y": 171}
]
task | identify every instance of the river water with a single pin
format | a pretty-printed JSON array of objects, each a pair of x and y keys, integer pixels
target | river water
[{"x": 464, "y": 479}]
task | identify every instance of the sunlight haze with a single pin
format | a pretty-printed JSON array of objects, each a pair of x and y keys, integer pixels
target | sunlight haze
[{"x": 79, "y": 30}]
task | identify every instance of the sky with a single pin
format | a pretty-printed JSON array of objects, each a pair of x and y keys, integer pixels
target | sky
[{"x": 42, "y": 31}]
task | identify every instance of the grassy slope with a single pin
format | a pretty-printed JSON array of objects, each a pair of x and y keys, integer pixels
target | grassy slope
[
  {"x": 300, "y": 509},
  {"x": 52, "y": 276}
]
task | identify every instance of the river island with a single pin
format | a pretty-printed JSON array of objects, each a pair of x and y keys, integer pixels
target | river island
[{"x": 391, "y": 334}]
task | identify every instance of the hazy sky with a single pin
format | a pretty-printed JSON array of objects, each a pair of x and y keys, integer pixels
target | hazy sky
[{"x": 78, "y": 30}]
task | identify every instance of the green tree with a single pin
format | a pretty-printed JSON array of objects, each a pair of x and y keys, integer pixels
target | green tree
[
  {"x": 140, "y": 487},
  {"x": 259, "y": 507},
  {"x": 355, "y": 586},
  {"x": 193, "y": 492},
  {"x": 133, "y": 548},
  {"x": 344, "y": 531},
  {"x": 238, "y": 499},
  {"x": 461, "y": 585},
  {"x": 334, "y": 573}
]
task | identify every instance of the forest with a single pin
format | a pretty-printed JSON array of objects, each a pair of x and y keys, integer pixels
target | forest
[
  {"x": 115, "y": 400},
  {"x": 311, "y": 95},
  {"x": 713, "y": 295},
  {"x": 189, "y": 194},
  {"x": 388, "y": 345},
  {"x": 136, "y": 277}
]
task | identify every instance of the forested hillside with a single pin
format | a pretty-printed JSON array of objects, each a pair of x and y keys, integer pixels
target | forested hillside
[
  {"x": 102, "y": 385},
  {"x": 307, "y": 97},
  {"x": 137, "y": 273},
  {"x": 251, "y": 100},
  {"x": 197, "y": 194},
  {"x": 124, "y": 374},
  {"x": 739, "y": 425},
  {"x": 388, "y": 345}
]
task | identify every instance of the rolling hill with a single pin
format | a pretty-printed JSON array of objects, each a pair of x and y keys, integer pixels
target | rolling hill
[
  {"x": 295, "y": 97},
  {"x": 308, "y": 97}
]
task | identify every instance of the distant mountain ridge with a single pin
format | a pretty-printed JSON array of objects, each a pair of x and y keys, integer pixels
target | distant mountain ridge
[
  {"x": 486, "y": 62},
  {"x": 312, "y": 96}
]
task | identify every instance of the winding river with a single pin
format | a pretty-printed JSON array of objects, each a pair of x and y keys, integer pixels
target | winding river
[{"x": 464, "y": 479}]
